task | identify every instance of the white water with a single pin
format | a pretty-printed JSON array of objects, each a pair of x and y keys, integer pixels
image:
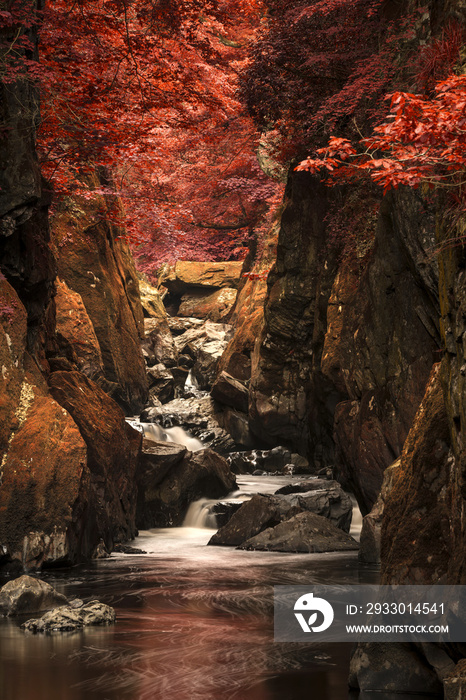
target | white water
[{"x": 153, "y": 431}]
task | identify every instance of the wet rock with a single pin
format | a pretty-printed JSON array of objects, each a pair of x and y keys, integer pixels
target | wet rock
[
  {"x": 308, "y": 485},
  {"x": 205, "y": 344},
  {"x": 157, "y": 459},
  {"x": 195, "y": 415},
  {"x": 161, "y": 383},
  {"x": 230, "y": 391},
  {"x": 69, "y": 619},
  {"x": 203, "y": 474},
  {"x": 254, "y": 516},
  {"x": 127, "y": 549},
  {"x": 267, "y": 460},
  {"x": 223, "y": 510},
  {"x": 184, "y": 275},
  {"x": 158, "y": 345},
  {"x": 26, "y": 595},
  {"x": 305, "y": 532},
  {"x": 215, "y": 306},
  {"x": 264, "y": 511}
]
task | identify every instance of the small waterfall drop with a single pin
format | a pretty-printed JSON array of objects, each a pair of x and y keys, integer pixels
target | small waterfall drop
[
  {"x": 200, "y": 514},
  {"x": 176, "y": 434}
]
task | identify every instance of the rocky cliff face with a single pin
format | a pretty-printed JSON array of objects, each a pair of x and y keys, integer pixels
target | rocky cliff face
[
  {"x": 348, "y": 341},
  {"x": 63, "y": 492}
]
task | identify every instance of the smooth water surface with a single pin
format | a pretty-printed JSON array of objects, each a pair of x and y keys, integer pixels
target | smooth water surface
[{"x": 193, "y": 622}]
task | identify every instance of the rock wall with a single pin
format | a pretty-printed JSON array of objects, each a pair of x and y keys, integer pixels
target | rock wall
[
  {"x": 67, "y": 458},
  {"x": 95, "y": 263},
  {"x": 348, "y": 339}
]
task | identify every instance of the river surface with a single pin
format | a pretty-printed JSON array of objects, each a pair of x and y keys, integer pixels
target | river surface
[{"x": 193, "y": 623}]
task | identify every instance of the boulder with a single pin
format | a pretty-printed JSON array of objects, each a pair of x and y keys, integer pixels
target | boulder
[
  {"x": 184, "y": 275},
  {"x": 26, "y": 595},
  {"x": 45, "y": 511},
  {"x": 215, "y": 306},
  {"x": 304, "y": 532},
  {"x": 157, "y": 459},
  {"x": 308, "y": 485},
  {"x": 180, "y": 325},
  {"x": 161, "y": 383},
  {"x": 69, "y": 618},
  {"x": 230, "y": 391},
  {"x": 151, "y": 300},
  {"x": 113, "y": 449},
  {"x": 238, "y": 365},
  {"x": 200, "y": 474},
  {"x": 266, "y": 511},
  {"x": 259, "y": 513},
  {"x": 158, "y": 345}
]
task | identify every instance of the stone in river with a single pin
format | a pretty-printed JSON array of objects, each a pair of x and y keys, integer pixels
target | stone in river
[
  {"x": 26, "y": 595},
  {"x": 69, "y": 618},
  {"x": 305, "y": 532}
]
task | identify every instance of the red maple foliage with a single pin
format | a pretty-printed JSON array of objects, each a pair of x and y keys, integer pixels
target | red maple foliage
[{"x": 422, "y": 141}]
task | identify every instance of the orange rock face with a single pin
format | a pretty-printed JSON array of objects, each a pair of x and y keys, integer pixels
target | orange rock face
[
  {"x": 113, "y": 449},
  {"x": 201, "y": 274},
  {"x": 215, "y": 307},
  {"x": 96, "y": 264},
  {"x": 74, "y": 324},
  {"x": 45, "y": 484}
]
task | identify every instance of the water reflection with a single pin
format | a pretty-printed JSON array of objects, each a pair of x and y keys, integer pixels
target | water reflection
[{"x": 194, "y": 622}]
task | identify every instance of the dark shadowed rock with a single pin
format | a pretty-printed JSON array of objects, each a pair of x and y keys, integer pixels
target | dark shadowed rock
[
  {"x": 26, "y": 595},
  {"x": 392, "y": 668},
  {"x": 230, "y": 391},
  {"x": 308, "y": 485},
  {"x": 305, "y": 532},
  {"x": 265, "y": 511},
  {"x": 71, "y": 618},
  {"x": 113, "y": 449},
  {"x": 157, "y": 458},
  {"x": 200, "y": 474},
  {"x": 158, "y": 346},
  {"x": 253, "y": 516},
  {"x": 371, "y": 530},
  {"x": 161, "y": 383}
]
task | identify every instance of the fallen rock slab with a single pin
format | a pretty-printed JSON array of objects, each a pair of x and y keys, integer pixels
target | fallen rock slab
[
  {"x": 305, "y": 532},
  {"x": 69, "y": 618},
  {"x": 26, "y": 595},
  {"x": 254, "y": 516},
  {"x": 230, "y": 391},
  {"x": 184, "y": 275},
  {"x": 215, "y": 306}
]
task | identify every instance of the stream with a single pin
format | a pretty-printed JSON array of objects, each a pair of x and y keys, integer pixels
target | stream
[{"x": 193, "y": 622}]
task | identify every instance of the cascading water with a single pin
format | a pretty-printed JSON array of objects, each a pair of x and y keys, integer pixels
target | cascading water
[{"x": 153, "y": 431}]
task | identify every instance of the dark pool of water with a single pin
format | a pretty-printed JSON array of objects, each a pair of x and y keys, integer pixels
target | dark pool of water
[{"x": 193, "y": 622}]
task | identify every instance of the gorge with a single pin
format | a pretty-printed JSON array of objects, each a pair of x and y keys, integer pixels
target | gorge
[{"x": 270, "y": 392}]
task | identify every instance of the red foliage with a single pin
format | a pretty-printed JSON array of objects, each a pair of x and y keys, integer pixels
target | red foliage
[
  {"x": 146, "y": 89},
  {"x": 422, "y": 141},
  {"x": 324, "y": 66}
]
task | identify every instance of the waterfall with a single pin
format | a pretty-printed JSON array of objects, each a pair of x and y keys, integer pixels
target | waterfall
[
  {"x": 199, "y": 514},
  {"x": 153, "y": 431}
]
